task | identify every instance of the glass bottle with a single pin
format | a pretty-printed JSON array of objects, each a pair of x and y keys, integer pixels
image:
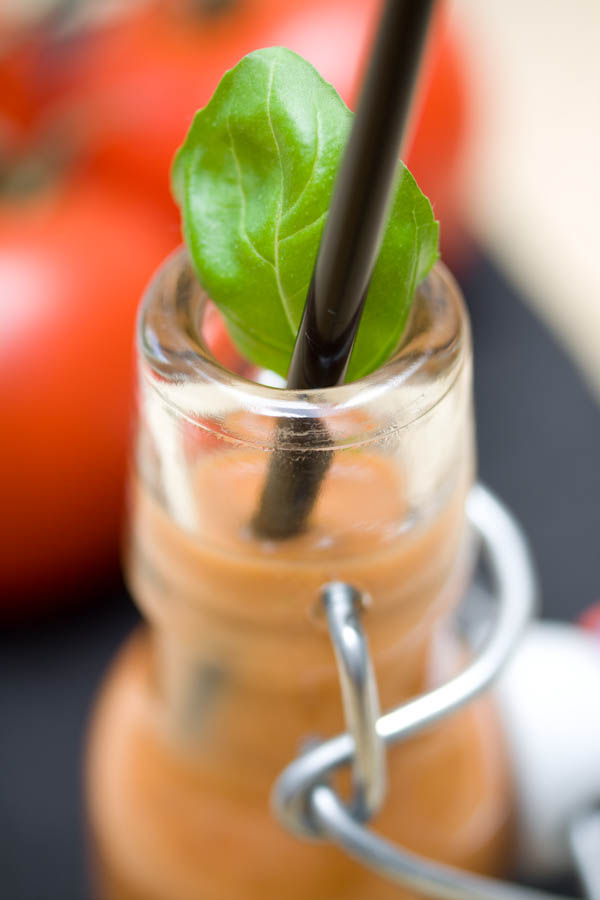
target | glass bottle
[{"x": 208, "y": 702}]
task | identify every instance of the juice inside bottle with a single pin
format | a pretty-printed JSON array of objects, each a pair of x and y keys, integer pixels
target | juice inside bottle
[{"x": 207, "y": 704}]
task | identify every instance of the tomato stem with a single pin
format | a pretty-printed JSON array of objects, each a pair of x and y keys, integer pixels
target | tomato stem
[
  {"x": 28, "y": 171},
  {"x": 211, "y": 7}
]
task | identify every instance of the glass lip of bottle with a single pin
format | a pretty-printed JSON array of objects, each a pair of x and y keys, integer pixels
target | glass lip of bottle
[{"x": 204, "y": 392}]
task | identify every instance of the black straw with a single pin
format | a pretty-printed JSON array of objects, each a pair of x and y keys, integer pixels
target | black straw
[
  {"x": 357, "y": 216},
  {"x": 347, "y": 255}
]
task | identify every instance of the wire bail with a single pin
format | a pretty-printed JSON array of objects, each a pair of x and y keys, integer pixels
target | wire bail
[
  {"x": 343, "y": 605},
  {"x": 303, "y": 799}
]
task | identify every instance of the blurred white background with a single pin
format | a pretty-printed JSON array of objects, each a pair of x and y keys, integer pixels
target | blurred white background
[{"x": 534, "y": 178}]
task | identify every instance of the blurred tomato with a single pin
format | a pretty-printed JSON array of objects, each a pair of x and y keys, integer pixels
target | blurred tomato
[
  {"x": 19, "y": 100},
  {"x": 590, "y": 619},
  {"x": 74, "y": 260},
  {"x": 133, "y": 89},
  {"x": 441, "y": 130}
]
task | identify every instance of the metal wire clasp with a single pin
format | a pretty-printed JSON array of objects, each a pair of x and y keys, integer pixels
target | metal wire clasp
[
  {"x": 302, "y": 797},
  {"x": 343, "y": 606}
]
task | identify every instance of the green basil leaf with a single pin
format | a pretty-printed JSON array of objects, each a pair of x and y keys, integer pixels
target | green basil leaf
[{"x": 254, "y": 181}]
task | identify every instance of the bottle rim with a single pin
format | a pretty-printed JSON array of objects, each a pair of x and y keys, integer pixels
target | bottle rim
[{"x": 175, "y": 361}]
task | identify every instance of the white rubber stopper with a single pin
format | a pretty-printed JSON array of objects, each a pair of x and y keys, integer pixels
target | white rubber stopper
[{"x": 549, "y": 698}]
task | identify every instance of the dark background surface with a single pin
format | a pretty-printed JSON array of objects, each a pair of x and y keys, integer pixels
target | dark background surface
[{"x": 539, "y": 449}]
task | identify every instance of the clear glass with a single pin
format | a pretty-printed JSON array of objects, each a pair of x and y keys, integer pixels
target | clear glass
[{"x": 207, "y": 705}]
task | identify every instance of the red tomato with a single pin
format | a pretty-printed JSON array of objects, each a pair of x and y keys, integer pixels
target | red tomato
[
  {"x": 73, "y": 264},
  {"x": 18, "y": 93},
  {"x": 590, "y": 619},
  {"x": 440, "y": 131},
  {"x": 135, "y": 87}
]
